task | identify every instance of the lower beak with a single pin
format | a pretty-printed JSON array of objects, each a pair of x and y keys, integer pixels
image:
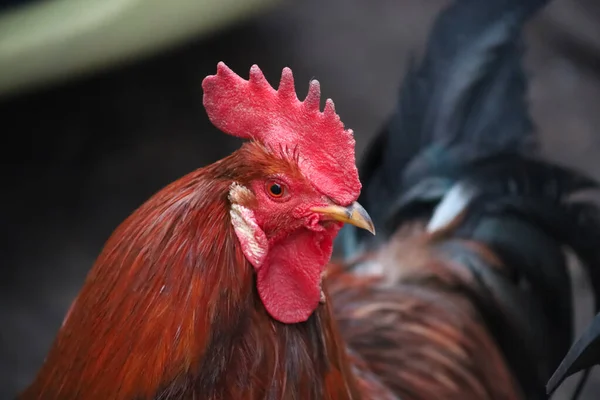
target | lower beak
[{"x": 354, "y": 214}]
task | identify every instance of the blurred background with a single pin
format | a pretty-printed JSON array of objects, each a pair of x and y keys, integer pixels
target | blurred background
[{"x": 101, "y": 106}]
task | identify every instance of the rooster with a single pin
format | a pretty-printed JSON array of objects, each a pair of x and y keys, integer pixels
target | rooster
[
  {"x": 221, "y": 287},
  {"x": 212, "y": 289}
]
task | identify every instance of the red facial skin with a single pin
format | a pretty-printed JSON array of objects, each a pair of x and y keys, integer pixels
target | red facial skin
[{"x": 300, "y": 245}]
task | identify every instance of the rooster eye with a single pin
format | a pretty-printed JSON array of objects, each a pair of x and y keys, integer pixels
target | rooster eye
[{"x": 275, "y": 189}]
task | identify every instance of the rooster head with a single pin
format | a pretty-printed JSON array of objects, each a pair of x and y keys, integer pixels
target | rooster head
[{"x": 302, "y": 190}]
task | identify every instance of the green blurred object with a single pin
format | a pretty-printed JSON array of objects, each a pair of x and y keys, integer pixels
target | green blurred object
[{"x": 54, "y": 40}]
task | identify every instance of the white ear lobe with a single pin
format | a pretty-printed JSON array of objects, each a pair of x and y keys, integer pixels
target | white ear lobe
[
  {"x": 253, "y": 240},
  {"x": 239, "y": 193}
]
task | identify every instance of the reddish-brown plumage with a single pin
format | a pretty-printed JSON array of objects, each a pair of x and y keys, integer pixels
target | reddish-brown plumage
[
  {"x": 170, "y": 309},
  {"x": 415, "y": 326}
]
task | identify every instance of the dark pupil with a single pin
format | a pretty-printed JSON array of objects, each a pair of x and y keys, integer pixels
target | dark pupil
[{"x": 276, "y": 189}]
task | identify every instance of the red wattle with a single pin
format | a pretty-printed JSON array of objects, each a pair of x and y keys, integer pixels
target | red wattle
[{"x": 289, "y": 281}]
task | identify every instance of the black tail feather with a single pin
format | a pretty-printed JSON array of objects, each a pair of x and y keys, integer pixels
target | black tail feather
[
  {"x": 466, "y": 100},
  {"x": 585, "y": 353}
]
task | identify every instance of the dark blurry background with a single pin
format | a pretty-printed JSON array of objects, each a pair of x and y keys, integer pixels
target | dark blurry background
[{"x": 79, "y": 156}]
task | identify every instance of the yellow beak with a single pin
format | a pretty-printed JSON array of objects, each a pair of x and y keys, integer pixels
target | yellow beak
[{"x": 354, "y": 214}]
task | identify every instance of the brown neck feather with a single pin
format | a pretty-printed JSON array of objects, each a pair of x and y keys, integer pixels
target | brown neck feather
[{"x": 170, "y": 310}]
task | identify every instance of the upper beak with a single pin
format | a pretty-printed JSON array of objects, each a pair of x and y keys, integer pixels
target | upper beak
[{"x": 354, "y": 214}]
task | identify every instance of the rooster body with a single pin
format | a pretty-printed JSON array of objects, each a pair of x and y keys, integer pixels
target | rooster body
[
  {"x": 171, "y": 309},
  {"x": 217, "y": 287}
]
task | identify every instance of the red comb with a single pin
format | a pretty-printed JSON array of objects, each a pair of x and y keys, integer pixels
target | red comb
[{"x": 254, "y": 110}]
